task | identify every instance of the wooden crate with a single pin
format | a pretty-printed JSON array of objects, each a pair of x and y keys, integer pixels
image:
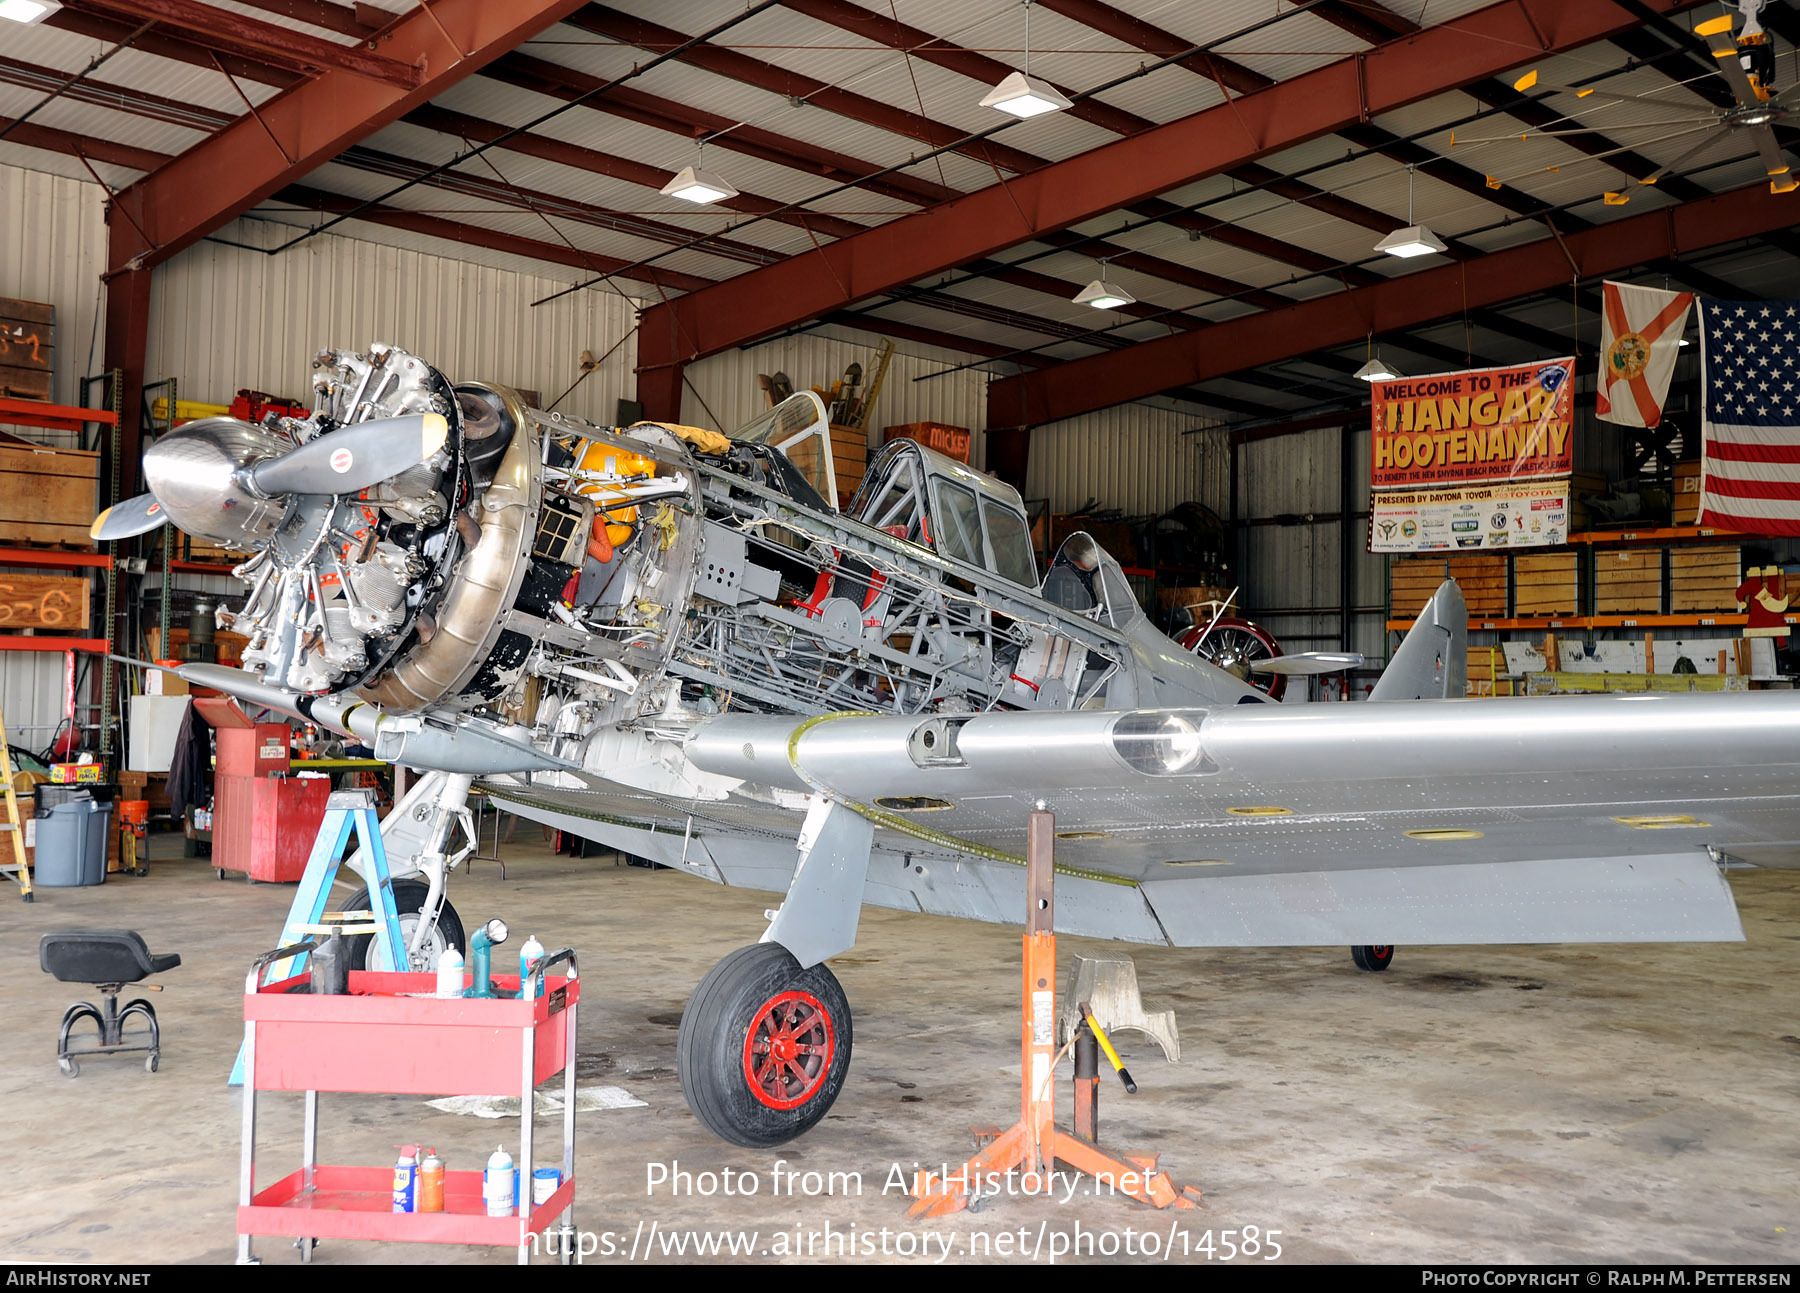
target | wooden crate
[
  {"x": 1545, "y": 584},
  {"x": 849, "y": 456},
  {"x": 1685, "y": 501},
  {"x": 50, "y": 495},
  {"x": 57, "y": 605},
  {"x": 1413, "y": 581},
  {"x": 1628, "y": 581},
  {"x": 1483, "y": 579},
  {"x": 27, "y": 349},
  {"x": 1704, "y": 578}
]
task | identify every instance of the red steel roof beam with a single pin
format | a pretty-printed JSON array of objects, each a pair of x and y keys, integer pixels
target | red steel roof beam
[
  {"x": 1414, "y": 300},
  {"x": 1128, "y": 171},
  {"x": 174, "y": 48},
  {"x": 646, "y": 35},
  {"x": 253, "y": 38},
  {"x": 312, "y": 123},
  {"x": 632, "y": 104}
]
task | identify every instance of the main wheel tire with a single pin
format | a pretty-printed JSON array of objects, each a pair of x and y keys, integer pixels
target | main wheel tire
[
  {"x": 763, "y": 1046},
  {"x": 409, "y": 898},
  {"x": 1372, "y": 957}
]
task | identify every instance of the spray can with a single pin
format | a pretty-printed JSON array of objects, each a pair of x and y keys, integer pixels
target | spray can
[
  {"x": 450, "y": 973},
  {"x": 406, "y": 1178},
  {"x": 497, "y": 1187},
  {"x": 529, "y": 956},
  {"x": 431, "y": 1183}
]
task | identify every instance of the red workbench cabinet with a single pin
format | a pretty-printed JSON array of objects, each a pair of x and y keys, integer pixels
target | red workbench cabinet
[{"x": 377, "y": 1038}]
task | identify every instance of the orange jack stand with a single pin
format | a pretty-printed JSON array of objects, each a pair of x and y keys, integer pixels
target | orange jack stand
[{"x": 1028, "y": 1151}]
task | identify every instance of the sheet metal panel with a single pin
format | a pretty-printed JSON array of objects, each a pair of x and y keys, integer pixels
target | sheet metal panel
[
  {"x": 1661, "y": 897},
  {"x": 225, "y": 317}
]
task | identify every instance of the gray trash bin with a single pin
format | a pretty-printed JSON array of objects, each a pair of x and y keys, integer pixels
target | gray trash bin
[{"x": 71, "y": 841}]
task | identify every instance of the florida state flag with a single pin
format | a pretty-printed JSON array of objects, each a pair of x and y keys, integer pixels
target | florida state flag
[{"x": 1640, "y": 336}]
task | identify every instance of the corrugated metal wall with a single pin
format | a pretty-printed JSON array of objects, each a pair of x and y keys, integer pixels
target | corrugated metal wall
[
  {"x": 53, "y": 248},
  {"x": 228, "y": 317},
  {"x": 1294, "y": 566},
  {"x": 1138, "y": 458},
  {"x": 723, "y": 392}
]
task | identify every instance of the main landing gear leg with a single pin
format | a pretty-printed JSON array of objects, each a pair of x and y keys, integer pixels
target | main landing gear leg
[{"x": 765, "y": 1040}]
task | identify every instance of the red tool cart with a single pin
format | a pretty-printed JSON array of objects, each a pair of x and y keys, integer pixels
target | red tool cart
[
  {"x": 263, "y": 819},
  {"x": 389, "y": 1034}
]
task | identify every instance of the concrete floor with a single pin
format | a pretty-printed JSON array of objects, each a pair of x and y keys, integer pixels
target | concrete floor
[{"x": 1621, "y": 1104}]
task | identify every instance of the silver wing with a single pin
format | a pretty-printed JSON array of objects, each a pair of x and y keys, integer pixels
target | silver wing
[{"x": 1589, "y": 818}]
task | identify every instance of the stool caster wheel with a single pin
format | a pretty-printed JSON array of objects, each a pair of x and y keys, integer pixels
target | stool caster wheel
[
  {"x": 68, "y": 1066},
  {"x": 151, "y": 1062}
]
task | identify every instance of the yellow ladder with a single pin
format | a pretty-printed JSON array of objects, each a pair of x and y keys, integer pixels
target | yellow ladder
[{"x": 18, "y": 870}]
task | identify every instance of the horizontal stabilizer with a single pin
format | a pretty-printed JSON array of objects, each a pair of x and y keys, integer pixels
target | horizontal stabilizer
[
  {"x": 1303, "y": 663},
  {"x": 1656, "y": 898}
]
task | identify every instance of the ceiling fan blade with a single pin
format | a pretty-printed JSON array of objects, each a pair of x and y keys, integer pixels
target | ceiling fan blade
[
  {"x": 1681, "y": 161},
  {"x": 1770, "y": 150},
  {"x": 1726, "y": 51},
  {"x": 1530, "y": 82},
  {"x": 134, "y": 516},
  {"x": 353, "y": 457}
]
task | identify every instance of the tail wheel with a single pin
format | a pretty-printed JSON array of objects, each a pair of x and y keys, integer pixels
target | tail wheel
[
  {"x": 1236, "y": 646},
  {"x": 409, "y": 899},
  {"x": 764, "y": 1046},
  {"x": 1372, "y": 957}
]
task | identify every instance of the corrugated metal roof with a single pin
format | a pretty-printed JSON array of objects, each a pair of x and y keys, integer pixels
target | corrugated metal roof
[{"x": 1063, "y": 50}]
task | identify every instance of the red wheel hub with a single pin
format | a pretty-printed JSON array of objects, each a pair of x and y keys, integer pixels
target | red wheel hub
[{"x": 788, "y": 1050}]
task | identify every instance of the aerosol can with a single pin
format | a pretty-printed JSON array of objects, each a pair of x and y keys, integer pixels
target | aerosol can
[
  {"x": 406, "y": 1178},
  {"x": 431, "y": 1183},
  {"x": 497, "y": 1184},
  {"x": 529, "y": 956},
  {"x": 450, "y": 973}
]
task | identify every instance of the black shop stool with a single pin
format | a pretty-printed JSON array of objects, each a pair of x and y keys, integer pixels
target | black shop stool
[{"x": 108, "y": 959}]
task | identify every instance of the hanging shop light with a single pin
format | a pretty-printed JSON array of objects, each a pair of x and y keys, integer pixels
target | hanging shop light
[
  {"x": 1103, "y": 295},
  {"x": 692, "y": 183},
  {"x": 1415, "y": 239},
  {"x": 1022, "y": 95}
]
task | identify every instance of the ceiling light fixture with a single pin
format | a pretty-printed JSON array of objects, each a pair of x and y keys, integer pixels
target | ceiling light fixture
[
  {"x": 1022, "y": 95},
  {"x": 1415, "y": 239},
  {"x": 691, "y": 183},
  {"x": 28, "y": 11},
  {"x": 1377, "y": 369},
  {"x": 1103, "y": 295}
]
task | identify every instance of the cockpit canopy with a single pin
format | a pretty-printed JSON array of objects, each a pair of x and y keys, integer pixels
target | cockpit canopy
[{"x": 920, "y": 495}]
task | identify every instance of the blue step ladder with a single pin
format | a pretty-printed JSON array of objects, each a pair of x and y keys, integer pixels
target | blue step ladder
[{"x": 345, "y": 811}]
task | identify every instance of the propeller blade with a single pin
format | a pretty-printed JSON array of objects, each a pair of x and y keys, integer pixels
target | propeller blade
[
  {"x": 354, "y": 457},
  {"x": 134, "y": 516},
  {"x": 1302, "y": 663}
]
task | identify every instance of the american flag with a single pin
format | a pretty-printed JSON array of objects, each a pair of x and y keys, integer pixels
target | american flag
[{"x": 1750, "y": 446}]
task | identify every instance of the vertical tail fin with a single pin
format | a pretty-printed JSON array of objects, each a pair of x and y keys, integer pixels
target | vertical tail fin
[{"x": 1433, "y": 662}]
